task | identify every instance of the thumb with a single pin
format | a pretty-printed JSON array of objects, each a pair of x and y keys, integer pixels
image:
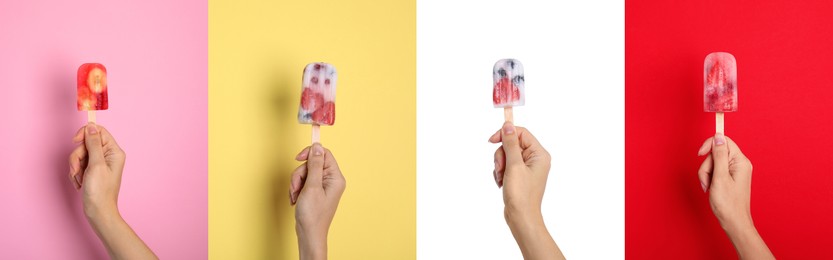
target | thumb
[
  {"x": 92, "y": 140},
  {"x": 511, "y": 145},
  {"x": 720, "y": 155},
  {"x": 315, "y": 166}
]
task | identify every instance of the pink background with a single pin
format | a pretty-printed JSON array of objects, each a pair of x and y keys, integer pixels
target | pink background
[{"x": 156, "y": 56}]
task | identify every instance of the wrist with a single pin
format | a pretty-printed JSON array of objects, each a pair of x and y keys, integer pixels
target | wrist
[
  {"x": 100, "y": 211},
  {"x": 103, "y": 218},
  {"x": 523, "y": 221},
  {"x": 738, "y": 225},
  {"x": 740, "y": 229},
  {"x": 312, "y": 245}
]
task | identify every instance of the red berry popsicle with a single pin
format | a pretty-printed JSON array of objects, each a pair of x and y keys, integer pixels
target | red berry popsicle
[
  {"x": 318, "y": 96},
  {"x": 508, "y": 91},
  {"x": 92, "y": 89},
  {"x": 720, "y": 86}
]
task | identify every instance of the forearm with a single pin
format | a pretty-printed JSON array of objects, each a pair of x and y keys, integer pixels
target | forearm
[
  {"x": 532, "y": 236},
  {"x": 311, "y": 245},
  {"x": 748, "y": 242},
  {"x": 117, "y": 236}
]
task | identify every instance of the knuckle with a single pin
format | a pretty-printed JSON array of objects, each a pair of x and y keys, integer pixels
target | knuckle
[
  {"x": 121, "y": 152},
  {"x": 546, "y": 154}
]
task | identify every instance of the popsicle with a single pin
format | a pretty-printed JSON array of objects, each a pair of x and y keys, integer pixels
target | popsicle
[
  {"x": 318, "y": 96},
  {"x": 92, "y": 89},
  {"x": 508, "y": 75},
  {"x": 720, "y": 86}
]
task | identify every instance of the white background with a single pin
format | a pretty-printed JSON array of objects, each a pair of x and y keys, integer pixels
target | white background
[{"x": 573, "y": 56}]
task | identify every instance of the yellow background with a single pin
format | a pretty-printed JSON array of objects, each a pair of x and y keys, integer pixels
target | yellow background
[{"x": 257, "y": 51}]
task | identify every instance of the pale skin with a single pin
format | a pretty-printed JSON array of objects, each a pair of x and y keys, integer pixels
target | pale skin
[
  {"x": 96, "y": 166},
  {"x": 315, "y": 190},
  {"x": 521, "y": 169},
  {"x": 726, "y": 174}
]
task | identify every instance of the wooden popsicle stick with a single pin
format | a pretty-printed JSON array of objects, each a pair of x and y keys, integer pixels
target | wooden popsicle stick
[
  {"x": 316, "y": 133},
  {"x": 718, "y": 117},
  {"x": 507, "y": 114},
  {"x": 91, "y": 116}
]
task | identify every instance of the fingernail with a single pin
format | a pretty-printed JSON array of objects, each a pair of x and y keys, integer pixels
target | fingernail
[
  {"x": 719, "y": 139},
  {"x": 91, "y": 128},
  {"x": 703, "y": 185},
  {"x": 318, "y": 150},
  {"x": 508, "y": 128}
]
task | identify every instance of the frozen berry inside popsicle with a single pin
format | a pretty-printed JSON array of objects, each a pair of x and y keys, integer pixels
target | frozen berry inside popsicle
[
  {"x": 318, "y": 94},
  {"x": 508, "y": 89},
  {"x": 310, "y": 100},
  {"x": 326, "y": 114},
  {"x": 720, "y": 81},
  {"x": 92, "y": 87}
]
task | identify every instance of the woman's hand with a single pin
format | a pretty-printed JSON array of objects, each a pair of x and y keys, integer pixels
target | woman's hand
[
  {"x": 727, "y": 175},
  {"x": 97, "y": 163},
  {"x": 95, "y": 167},
  {"x": 521, "y": 168},
  {"x": 315, "y": 189}
]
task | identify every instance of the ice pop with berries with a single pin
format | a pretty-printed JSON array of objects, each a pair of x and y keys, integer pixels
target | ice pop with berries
[
  {"x": 508, "y": 92},
  {"x": 92, "y": 89},
  {"x": 720, "y": 86},
  {"x": 318, "y": 97}
]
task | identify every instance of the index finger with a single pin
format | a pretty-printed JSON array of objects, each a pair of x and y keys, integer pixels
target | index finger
[
  {"x": 525, "y": 137},
  {"x": 107, "y": 138},
  {"x": 734, "y": 149},
  {"x": 330, "y": 160}
]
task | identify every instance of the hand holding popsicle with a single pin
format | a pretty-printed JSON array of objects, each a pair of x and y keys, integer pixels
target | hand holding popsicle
[
  {"x": 522, "y": 166},
  {"x": 96, "y": 167},
  {"x": 726, "y": 174},
  {"x": 315, "y": 190}
]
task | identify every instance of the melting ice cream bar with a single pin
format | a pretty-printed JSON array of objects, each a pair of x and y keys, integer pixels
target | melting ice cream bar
[
  {"x": 720, "y": 83},
  {"x": 92, "y": 87},
  {"x": 318, "y": 95},
  {"x": 508, "y": 75}
]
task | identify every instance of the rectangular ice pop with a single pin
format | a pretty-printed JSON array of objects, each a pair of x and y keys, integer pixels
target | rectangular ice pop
[
  {"x": 720, "y": 86},
  {"x": 508, "y": 91},
  {"x": 318, "y": 96},
  {"x": 92, "y": 89}
]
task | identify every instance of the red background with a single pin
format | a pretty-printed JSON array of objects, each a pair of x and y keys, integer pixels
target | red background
[{"x": 784, "y": 51}]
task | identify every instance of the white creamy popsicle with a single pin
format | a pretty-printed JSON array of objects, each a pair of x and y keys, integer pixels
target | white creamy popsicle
[
  {"x": 318, "y": 96},
  {"x": 508, "y": 89}
]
